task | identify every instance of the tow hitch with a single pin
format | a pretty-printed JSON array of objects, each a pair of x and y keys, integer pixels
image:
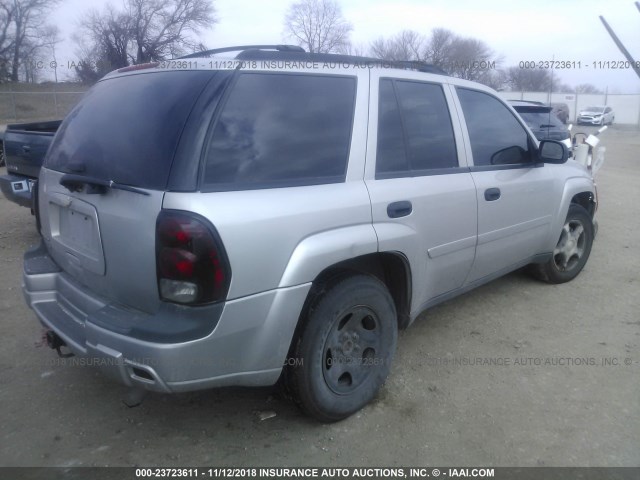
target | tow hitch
[{"x": 55, "y": 343}]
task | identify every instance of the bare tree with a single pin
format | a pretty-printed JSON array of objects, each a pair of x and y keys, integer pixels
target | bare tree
[
  {"x": 29, "y": 20},
  {"x": 357, "y": 50},
  {"x": 496, "y": 79},
  {"x": 163, "y": 28},
  {"x": 22, "y": 27},
  {"x": 563, "y": 88},
  {"x": 438, "y": 49},
  {"x": 6, "y": 37},
  {"x": 529, "y": 80},
  {"x": 110, "y": 36},
  {"x": 587, "y": 88},
  {"x": 145, "y": 31},
  {"x": 406, "y": 45},
  {"x": 471, "y": 59},
  {"x": 383, "y": 49},
  {"x": 467, "y": 58},
  {"x": 50, "y": 38},
  {"x": 318, "y": 26}
]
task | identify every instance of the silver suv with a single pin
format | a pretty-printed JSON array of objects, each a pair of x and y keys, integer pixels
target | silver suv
[{"x": 279, "y": 215}]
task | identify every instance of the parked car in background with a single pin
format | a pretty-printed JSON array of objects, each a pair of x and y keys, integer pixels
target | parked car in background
[
  {"x": 544, "y": 124},
  {"x": 596, "y": 115},
  {"x": 562, "y": 111}
]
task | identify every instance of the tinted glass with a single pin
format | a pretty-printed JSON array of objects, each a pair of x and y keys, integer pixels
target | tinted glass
[
  {"x": 427, "y": 141},
  {"x": 391, "y": 154},
  {"x": 537, "y": 119},
  {"x": 281, "y": 130},
  {"x": 429, "y": 134},
  {"x": 496, "y": 137},
  {"x": 126, "y": 129}
]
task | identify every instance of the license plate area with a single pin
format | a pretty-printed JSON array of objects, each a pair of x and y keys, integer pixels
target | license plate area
[
  {"x": 75, "y": 233},
  {"x": 22, "y": 186}
]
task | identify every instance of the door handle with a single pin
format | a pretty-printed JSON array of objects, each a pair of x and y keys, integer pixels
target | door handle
[
  {"x": 26, "y": 148},
  {"x": 491, "y": 194},
  {"x": 399, "y": 209}
]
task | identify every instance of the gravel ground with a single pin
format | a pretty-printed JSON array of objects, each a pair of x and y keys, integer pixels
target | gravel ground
[{"x": 566, "y": 394}]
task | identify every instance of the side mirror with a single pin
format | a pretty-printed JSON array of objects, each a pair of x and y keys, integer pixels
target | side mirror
[{"x": 551, "y": 151}]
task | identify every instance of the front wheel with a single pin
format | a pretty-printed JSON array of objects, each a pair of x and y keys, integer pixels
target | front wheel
[
  {"x": 572, "y": 251},
  {"x": 344, "y": 351}
]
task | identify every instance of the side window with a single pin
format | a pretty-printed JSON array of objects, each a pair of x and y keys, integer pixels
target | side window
[
  {"x": 391, "y": 155},
  {"x": 414, "y": 129},
  {"x": 496, "y": 137},
  {"x": 282, "y": 130},
  {"x": 607, "y": 110}
]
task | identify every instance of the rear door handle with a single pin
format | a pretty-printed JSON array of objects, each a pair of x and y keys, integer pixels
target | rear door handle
[
  {"x": 491, "y": 194},
  {"x": 399, "y": 209},
  {"x": 26, "y": 148}
]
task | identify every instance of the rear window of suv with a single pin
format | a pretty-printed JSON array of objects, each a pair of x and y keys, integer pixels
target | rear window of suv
[
  {"x": 126, "y": 129},
  {"x": 538, "y": 118},
  {"x": 278, "y": 130}
]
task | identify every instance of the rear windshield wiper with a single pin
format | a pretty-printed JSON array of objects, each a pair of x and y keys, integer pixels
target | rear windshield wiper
[{"x": 77, "y": 183}]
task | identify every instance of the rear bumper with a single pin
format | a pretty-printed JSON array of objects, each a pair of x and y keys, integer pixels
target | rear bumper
[
  {"x": 248, "y": 346},
  {"x": 17, "y": 188}
]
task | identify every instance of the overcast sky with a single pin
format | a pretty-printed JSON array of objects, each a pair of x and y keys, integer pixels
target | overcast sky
[{"x": 519, "y": 31}]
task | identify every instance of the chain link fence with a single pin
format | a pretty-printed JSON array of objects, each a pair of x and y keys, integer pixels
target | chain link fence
[{"x": 24, "y": 103}]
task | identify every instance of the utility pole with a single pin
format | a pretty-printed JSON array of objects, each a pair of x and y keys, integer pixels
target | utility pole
[{"x": 620, "y": 45}]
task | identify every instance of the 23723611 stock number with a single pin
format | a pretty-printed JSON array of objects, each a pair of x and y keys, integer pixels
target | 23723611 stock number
[
  {"x": 167, "y": 472},
  {"x": 196, "y": 472},
  {"x": 577, "y": 64}
]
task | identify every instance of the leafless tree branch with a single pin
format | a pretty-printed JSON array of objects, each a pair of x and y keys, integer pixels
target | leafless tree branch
[{"x": 318, "y": 26}]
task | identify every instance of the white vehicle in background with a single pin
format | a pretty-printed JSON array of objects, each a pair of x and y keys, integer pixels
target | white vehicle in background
[{"x": 596, "y": 115}]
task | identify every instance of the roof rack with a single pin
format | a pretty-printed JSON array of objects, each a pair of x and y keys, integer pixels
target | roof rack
[
  {"x": 417, "y": 65},
  {"x": 294, "y": 52},
  {"x": 242, "y": 48},
  {"x": 296, "y": 55}
]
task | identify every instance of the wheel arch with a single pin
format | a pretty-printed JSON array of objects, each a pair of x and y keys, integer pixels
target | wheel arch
[
  {"x": 391, "y": 268},
  {"x": 586, "y": 200},
  {"x": 579, "y": 191}
]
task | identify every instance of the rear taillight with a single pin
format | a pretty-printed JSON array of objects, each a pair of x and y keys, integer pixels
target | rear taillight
[{"x": 191, "y": 264}]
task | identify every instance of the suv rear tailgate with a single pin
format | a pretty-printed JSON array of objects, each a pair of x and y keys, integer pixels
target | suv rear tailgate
[
  {"x": 104, "y": 241},
  {"x": 120, "y": 141}
]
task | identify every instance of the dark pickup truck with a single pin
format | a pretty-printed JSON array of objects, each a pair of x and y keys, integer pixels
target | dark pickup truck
[{"x": 24, "y": 147}]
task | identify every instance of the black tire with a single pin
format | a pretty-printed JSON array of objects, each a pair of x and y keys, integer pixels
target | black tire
[
  {"x": 572, "y": 251},
  {"x": 2, "y": 160},
  {"x": 344, "y": 349}
]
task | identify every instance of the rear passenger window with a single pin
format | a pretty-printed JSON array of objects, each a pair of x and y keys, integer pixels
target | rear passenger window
[
  {"x": 496, "y": 137},
  {"x": 282, "y": 130},
  {"x": 415, "y": 135}
]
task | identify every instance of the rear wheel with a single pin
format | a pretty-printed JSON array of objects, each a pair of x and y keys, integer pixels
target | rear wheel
[
  {"x": 345, "y": 349},
  {"x": 572, "y": 251}
]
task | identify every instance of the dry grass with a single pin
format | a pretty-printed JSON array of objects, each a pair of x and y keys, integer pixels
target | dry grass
[{"x": 30, "y": 102}]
